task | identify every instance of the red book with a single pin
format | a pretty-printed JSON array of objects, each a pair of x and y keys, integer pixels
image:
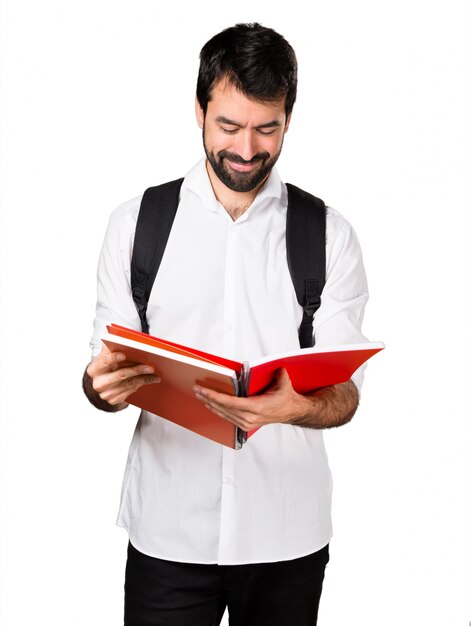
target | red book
[{"x": 181, "y": 367}]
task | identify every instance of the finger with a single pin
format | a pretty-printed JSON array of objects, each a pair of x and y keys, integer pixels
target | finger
[
  {"x": 224, "y": 414},
  {"x": 113, "y": 359},
  {"x": 120, "y": 376},
  {"x": 222, "y": 399},
  {"x": 241, "y": 423},
  {"x": 125, "y": 373},
  {"x": 105, "y": 361},
  {"x": 237, "y": 416},
  {"x": 118, "y": 393}
]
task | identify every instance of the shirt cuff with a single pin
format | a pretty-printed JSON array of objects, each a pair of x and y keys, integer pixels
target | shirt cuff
[{"x": 358, "y": 377}]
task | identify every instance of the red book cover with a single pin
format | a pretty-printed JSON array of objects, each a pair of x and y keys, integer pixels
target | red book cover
[{"x": 311, "y": 368}]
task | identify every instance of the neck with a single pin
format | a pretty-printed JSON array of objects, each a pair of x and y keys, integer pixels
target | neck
[{"x": 236, "y": 203}]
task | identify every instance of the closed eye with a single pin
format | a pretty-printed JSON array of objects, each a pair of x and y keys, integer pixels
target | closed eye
[
  {"x": 232, "y": 131},
  {"x": 264, "y": 132}
]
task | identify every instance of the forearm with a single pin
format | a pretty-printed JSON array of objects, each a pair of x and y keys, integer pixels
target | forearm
[{"x": 328, "y": 407}]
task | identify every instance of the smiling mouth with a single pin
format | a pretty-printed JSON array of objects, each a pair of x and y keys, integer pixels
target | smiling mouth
[{"x": 242, "y": 167}]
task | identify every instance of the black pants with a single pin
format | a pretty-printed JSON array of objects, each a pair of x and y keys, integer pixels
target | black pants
[{"x": 166, "y": 593}]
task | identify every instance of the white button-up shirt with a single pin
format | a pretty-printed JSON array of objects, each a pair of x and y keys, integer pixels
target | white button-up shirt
[{"x": 224, "y": 287}]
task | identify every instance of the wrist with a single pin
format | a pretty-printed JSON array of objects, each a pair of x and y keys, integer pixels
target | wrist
[{"x": 305, "y": 408}]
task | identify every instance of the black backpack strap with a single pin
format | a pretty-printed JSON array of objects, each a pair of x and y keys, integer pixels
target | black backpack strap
[
  {"x": 305, "y": 249},
  {"x": 154, "y": 223}
]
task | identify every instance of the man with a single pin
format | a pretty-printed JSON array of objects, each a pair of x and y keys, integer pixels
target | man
[{"x": 210, "y": 527}]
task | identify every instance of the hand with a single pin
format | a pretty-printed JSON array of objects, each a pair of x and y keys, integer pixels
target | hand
[
  {"x": 114, "y": 380},
  {"x": 280, "y": 404}
]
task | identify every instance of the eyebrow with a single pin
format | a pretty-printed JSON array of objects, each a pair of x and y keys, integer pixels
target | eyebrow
[{"x": 226, "y": 120}]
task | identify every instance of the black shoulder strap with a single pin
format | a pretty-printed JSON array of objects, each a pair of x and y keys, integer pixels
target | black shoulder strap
[
  {"x": 154, "y": 223},
  {"x": 305, "y": 249}
]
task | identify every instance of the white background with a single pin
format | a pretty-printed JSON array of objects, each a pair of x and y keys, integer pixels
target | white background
[{"x": 97, "y": 104}]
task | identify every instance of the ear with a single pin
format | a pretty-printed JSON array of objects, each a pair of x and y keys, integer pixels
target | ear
[
  {"x": 199, "y": 113},
  {"x": 288, "y": 120}
]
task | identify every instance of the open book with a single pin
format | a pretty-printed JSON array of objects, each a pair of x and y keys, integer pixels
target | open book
[{"x": 181, "y": 367}]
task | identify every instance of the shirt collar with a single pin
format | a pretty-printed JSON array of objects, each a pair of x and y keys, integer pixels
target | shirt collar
[{"x": 197, "y": 181}]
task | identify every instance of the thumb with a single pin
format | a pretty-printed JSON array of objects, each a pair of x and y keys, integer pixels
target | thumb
[{"x": 282, "y": 377}]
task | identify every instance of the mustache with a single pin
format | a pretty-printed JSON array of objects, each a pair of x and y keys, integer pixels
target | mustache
[{"x": 235, "y": 158}]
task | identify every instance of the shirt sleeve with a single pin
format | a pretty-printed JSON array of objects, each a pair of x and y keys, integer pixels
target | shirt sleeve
[
  {"x": 340, "y": 316},
  {"x": 114, "y": 298}
]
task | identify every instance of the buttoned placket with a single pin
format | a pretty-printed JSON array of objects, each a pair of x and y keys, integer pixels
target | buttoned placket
[{"x": 228, "y": 513}]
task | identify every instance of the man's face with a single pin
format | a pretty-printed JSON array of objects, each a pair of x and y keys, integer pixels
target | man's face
[{"x": 242, "y": 138}]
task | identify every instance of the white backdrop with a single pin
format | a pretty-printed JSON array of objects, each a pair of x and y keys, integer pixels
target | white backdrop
[{"x": 97, "y": 104}]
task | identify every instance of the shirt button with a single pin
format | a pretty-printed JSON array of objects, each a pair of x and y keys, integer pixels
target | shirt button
[{"x": 226, "y": 480}]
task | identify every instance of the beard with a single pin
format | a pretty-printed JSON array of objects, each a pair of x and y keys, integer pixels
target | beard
[{"x": 240, "y": 181}]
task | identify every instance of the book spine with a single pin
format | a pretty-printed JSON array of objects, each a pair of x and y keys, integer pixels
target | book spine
[
  {"x": 241, "y": 391},
  {"x": 236, "y": 383},
  {"x": 240, "y": 438},
  {"x": 245, "y": 375}
]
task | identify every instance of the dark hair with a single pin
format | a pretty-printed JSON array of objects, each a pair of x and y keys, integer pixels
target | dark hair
[{"x": 257, "y": 61}]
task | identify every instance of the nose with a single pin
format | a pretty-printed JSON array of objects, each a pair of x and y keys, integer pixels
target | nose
[{"x": 246, "y": 145}]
